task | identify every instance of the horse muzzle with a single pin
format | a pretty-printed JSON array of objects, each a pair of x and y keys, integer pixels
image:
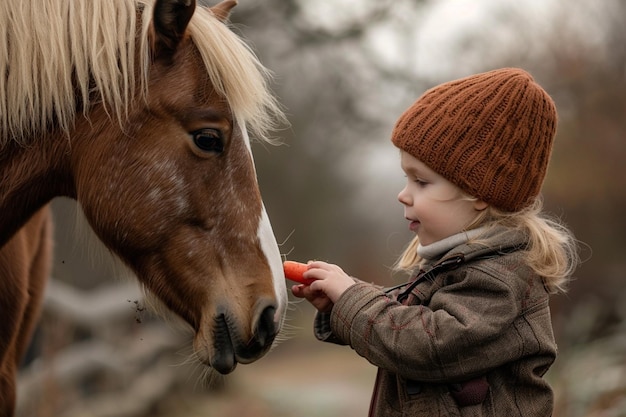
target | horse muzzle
[{"x": 227, "y": 345}]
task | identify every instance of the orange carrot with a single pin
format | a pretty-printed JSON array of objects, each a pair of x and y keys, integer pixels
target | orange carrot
[{"x": 294, "y": 270}]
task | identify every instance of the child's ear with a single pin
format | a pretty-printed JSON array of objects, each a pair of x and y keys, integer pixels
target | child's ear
[{"x": 480, "y": 205}]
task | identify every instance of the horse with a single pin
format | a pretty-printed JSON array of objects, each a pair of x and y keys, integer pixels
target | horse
[{"x": 141, "y": 111}]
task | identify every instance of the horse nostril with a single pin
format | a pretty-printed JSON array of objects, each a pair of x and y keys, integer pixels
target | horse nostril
[
  {"x": 266, "y": 328},
  {"x": 224, "y": 359}
]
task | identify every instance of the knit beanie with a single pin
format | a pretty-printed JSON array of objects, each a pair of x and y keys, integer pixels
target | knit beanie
[{"x": 490, "y": 134}]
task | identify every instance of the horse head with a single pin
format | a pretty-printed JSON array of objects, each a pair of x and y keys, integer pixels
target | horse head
[{"x": 172, "y": 190}]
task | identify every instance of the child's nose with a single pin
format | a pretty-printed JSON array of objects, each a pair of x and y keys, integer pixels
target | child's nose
[{"x": 404, "y": 197}]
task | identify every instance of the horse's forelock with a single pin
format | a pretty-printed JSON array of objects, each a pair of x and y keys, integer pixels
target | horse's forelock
[
  {"x": 236, "y": 73},
  {"x": 63, "y": 45}
]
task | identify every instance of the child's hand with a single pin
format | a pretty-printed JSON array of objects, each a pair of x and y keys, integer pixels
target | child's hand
[
  {"x": 330, "y": 281},
  {"x": 318, "y": 299}
]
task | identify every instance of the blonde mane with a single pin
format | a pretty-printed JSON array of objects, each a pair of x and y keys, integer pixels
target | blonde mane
[{"x": 57, "y": 53}]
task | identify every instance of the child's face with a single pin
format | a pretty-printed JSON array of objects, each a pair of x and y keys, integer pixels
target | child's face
[{"x": 434, "y": 206}]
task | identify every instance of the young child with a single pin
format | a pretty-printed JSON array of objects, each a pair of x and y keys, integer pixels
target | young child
[{"x": 470, "y": 334}]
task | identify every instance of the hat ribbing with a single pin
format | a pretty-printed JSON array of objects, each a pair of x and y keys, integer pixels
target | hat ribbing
[{"x": 490, "y": 134}]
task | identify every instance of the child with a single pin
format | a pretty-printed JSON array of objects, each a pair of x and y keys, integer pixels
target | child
[{"x": 470, "y": 334}]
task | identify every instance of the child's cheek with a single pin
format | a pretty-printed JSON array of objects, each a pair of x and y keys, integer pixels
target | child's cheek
[{"x": 443, "y": 191}]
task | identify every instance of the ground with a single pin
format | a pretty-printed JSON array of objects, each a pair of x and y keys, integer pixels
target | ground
[{"x": 301, "y": 377}]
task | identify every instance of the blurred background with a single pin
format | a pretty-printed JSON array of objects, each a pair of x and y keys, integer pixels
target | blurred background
[{"x": 344, "y": 71}]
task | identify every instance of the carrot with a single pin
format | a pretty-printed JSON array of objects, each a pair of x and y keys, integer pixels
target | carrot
[{"x": 294, "y": 270}]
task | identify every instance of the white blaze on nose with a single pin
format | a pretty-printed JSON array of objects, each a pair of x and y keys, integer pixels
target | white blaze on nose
[{"x": 269, "y": 246}]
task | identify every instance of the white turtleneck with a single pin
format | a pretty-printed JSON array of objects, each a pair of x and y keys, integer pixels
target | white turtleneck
[{"x": 436, "y": 249}]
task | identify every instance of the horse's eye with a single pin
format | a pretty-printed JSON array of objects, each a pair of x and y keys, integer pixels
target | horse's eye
[{"x": 208, "y": 140}]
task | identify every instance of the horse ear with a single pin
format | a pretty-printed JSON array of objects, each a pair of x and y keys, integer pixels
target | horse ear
[
  {"x": 222, "y": 9},
  {"x": 169, "y": 22}
]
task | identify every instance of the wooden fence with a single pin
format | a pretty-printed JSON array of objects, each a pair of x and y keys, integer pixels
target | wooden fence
[{"x": 98, "y": 353}]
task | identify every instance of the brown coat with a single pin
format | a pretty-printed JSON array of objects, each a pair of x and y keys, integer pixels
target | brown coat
[{"x": 474, "y": 341}]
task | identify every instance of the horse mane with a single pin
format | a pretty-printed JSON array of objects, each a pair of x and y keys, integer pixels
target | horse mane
[{"x": 59, "y": 54}]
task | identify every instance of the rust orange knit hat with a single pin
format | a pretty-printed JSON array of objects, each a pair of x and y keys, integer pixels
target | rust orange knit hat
[{"x": 490, "y": 134}]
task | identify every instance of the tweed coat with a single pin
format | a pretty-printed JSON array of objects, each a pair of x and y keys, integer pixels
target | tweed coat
[{"x": 472, "y": 340}]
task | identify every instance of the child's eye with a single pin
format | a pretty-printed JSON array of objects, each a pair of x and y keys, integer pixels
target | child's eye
[{"x": 419, "y": 181}]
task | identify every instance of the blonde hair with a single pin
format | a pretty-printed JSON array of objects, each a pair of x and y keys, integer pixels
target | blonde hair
[
  {"x": 551, "y": 251},
  {"x": 58, "y": 52}
]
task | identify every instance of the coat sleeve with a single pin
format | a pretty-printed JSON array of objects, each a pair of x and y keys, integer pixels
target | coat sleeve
[
  {"x": 467, "y": 329},
  {"x": 323, "y": 331}
]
